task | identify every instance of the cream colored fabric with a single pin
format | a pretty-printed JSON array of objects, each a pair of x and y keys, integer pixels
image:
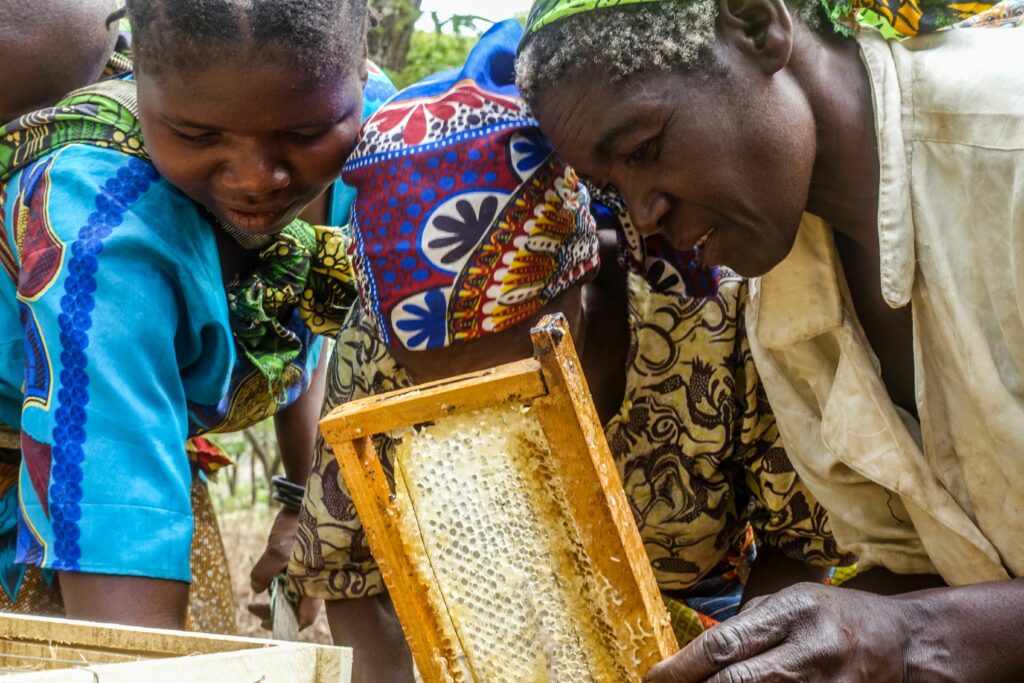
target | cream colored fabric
[{"x": 950, "y": 124}]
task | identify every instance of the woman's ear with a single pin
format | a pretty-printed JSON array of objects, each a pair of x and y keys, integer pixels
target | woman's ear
[{"x": 759, "y": 29}]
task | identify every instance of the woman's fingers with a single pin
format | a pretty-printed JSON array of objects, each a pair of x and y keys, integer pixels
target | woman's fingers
[
  {"x": 270, "y": 564},
  {"x": 261, "y": 611},
  {"x": 309, "y": 610},
  {"x": 274, "y": 559},
  {"x": 743, "y": 637}
]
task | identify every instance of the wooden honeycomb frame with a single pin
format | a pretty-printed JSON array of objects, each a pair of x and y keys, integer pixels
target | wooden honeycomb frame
[{"x": 554, "y": 384}]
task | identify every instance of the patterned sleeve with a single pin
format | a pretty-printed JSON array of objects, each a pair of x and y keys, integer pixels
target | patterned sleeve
[
  {"x": 331, "y": 558},
  {"x": 784, "y": 514},
  {"x": 105, "y": 481}
]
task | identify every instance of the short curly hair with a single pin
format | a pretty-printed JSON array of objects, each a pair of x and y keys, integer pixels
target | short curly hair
[
  {"x": 318, "y": 36},
  {"x": 628, "y": 39}
]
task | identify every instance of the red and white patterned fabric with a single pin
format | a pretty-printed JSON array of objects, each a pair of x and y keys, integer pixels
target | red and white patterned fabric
[{"x": 465, "y": 221}]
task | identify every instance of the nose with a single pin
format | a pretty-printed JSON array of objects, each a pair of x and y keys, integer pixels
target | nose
[
  {"x": 254, "y": 172},
  {"x": 647, "y": 206}
]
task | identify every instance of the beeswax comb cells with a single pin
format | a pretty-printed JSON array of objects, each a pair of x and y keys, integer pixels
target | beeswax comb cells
[{"x": 507, "y": 543}]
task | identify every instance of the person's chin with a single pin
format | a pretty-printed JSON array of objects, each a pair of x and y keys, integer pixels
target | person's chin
[
  {"x": 751, "y": 263},
  {"x": 749, "y": 253}
]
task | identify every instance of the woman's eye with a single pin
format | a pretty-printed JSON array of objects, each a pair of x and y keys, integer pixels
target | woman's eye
[
  {"x": 645, "y": 152},
  {"x": 306, "y": 135},
  {"x": 198, "y": 139}
]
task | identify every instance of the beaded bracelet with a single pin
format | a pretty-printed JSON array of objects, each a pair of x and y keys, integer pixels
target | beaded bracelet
[{"x": 288, "y": 493}]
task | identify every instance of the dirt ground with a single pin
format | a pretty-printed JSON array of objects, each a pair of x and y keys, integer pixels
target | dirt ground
[{"x": 244, "y": 535}]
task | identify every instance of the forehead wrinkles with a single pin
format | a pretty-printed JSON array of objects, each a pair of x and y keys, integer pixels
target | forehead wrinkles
[
  {"x": 642, "y": 91},
  {"x": 571, "y": 121}
]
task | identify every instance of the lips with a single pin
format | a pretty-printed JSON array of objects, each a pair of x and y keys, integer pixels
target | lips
[
  {"x": 682, "y": 243},
  {"x": 703, "y": 239},
  {"x": 687, "y": 227},
  {"x": 255, "y": 220}
]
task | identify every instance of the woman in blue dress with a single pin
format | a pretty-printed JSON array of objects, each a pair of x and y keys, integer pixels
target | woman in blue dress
[{"x": 158, "y": 286}]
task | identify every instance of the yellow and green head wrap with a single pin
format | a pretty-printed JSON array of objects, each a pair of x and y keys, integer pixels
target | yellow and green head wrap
[{"x": 895, "y": 18}]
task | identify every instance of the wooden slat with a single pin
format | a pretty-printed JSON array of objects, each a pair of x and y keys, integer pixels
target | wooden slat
[
  {"x": 596, "y": 499},
  {"x": 103, "y": 653},
  {"x": 367, "y": 484},
  {"x": 31, "y": 656},
  {"x": 117, "y": 638},
  {"x": 286, "y": 663},
  {"x": 520, "y": 381}
]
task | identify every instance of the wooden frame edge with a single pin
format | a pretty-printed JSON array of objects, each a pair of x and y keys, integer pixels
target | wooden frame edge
[
  {"x": 518, "y": 381},
  {"x": 553, "y": 347},
  {"x": 361, "y": 467}
]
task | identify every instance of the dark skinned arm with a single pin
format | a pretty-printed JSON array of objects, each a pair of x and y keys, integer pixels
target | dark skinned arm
[
  {"x": 820, "y": 633},
  {"x": 885, "y": 582},
  {"x": 296, "y": 428},
  {"x": 129, "y": 600},
  {"x": 369, "y": 626}
]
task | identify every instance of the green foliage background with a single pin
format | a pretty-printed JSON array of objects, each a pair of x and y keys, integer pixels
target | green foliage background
[
  {"x": 437, "y": 50},
  {"x": 429, "y": 53}
]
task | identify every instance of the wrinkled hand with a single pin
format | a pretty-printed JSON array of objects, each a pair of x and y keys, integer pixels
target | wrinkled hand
[
  {"x": 807, "y": 632},
  {"x": 274, "y": 561}
]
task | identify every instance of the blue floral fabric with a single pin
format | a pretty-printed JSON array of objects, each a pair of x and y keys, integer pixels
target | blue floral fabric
[
  {"x": 119, "y": 336},
  {"x": 466, "y": 223}
]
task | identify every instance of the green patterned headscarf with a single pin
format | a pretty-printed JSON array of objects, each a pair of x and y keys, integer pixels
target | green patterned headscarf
[
  {"x": 103, "y": 115},
  {"x": 896, "y": 18}
]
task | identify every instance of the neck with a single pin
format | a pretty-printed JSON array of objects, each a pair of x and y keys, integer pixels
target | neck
[
  {"x": 605, "y": 343},
  {"x": 844, "y": 182}
]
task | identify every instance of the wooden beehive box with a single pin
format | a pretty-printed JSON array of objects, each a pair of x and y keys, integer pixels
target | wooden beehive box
[
  {"x": 37, "y": 650},
  {"x": 525, "y": 427}
]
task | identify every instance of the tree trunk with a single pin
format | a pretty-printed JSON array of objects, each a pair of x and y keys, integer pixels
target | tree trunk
[
  {"x": 389, "y": 41},
  {"x": 269, "y": 463}
]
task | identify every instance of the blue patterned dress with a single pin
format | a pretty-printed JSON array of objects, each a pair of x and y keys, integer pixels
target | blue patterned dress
[{"x": 115, "y": 347}]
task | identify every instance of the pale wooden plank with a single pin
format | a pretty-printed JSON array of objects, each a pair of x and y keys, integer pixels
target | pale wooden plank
[
  {"x": 288, "y": 663},
  {"x": 520, "y": 381},
  {"x": 334, "y": 664},
  {"x": 185, "y": 657},
  {"x": 62, "y": 676},
  {"x": 114, "y": 637},
  {"x": 32, "y": 655}
]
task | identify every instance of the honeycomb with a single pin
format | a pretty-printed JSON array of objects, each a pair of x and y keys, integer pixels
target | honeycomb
[{"x": 484, "y": 519}]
